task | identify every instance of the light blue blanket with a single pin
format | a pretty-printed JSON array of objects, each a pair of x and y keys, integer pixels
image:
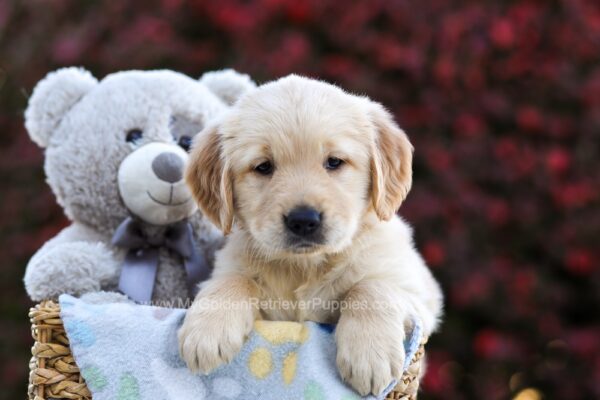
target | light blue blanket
[{"x": 130, "y": 352}]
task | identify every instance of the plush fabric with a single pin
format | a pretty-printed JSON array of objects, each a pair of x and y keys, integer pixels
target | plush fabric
[
  {"x": 88, "y": 127},
  {"x": 130, "y": 352}
]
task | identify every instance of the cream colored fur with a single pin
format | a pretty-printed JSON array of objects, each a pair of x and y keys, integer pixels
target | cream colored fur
[{"x": 367, "y": 254}]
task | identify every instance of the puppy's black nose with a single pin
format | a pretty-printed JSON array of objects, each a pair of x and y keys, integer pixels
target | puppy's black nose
[
  {"x": 303, "y": 221},
  {"x": 168, "y": 167}
]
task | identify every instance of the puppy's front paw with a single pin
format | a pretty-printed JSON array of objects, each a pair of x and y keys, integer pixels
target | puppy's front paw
[
  {"x": 369, "y": 356},
  {"x": 209, "y": 339}
]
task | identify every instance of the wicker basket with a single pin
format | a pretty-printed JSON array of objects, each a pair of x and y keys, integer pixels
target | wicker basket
[{"x": 55, "y": 375}]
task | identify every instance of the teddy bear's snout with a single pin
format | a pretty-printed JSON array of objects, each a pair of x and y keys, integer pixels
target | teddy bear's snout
[
  {"x": 168, "y": 167},
  {"x": 151, "y": 183}
]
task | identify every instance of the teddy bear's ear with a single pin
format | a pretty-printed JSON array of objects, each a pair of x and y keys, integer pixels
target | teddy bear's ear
[
  {"x": 52, "y": 97},
  {"x": 227, "y": 84}
]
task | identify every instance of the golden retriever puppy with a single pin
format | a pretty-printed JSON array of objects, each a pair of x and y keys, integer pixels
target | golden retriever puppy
[{"x": 306, "y": 179}]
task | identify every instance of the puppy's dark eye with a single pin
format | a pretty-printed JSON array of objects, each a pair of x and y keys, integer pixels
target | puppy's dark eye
[
  {"x": 185, "y": 142},
  {"x": 333, "y": 163},
  {"x": 265, "y": 168},
  {"x": 134, "y": 135}
]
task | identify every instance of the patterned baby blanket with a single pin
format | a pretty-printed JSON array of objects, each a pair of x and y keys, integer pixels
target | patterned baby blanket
[{"x": 130, "y": 352}]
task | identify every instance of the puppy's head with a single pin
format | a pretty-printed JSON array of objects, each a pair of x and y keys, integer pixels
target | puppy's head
[{"x": 299, "y": 163}]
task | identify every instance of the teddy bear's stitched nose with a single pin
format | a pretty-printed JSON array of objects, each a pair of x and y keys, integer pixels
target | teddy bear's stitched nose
[{"x": 168, "y": 167}]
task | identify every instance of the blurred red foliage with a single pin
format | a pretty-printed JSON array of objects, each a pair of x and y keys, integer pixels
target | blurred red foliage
[{"x": 500, "y": 98}]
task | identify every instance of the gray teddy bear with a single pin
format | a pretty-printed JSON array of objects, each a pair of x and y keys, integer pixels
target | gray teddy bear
[{"x": 115, "y": 150}]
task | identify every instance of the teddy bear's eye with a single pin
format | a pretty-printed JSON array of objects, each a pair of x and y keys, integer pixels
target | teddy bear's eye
[
  {"x": 134, "y": 135},
  {"x": 185, "y": 142}
]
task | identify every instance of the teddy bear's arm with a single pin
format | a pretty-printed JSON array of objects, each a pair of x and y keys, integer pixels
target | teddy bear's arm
[{"x": 76, "y": 261}]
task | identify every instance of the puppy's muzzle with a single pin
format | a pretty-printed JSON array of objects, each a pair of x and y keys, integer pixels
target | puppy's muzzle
[{"x": 303, "y": 222}]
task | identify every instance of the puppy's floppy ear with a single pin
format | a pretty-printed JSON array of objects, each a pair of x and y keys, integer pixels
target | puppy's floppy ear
[
  {"x": 210, "y": 179},
  {"x": 391, "y": 164}
]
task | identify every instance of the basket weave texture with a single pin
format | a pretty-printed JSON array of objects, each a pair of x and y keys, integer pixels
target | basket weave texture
[{"x": 55, "y": 375}]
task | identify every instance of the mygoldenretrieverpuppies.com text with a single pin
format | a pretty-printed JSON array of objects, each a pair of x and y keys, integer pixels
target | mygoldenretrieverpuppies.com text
[{"x": 275, "y": 304}]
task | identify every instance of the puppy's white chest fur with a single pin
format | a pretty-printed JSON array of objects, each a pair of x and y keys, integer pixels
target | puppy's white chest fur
[{"x": 300, "y": 293}]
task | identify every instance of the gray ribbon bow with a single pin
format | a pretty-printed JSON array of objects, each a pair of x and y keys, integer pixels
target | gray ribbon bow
[{"x": 141, "y": 262}]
